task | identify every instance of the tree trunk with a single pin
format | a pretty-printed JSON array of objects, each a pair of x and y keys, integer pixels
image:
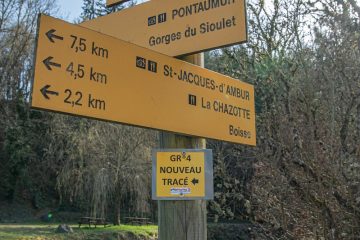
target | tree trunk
[{"x": 117, "y": 215}]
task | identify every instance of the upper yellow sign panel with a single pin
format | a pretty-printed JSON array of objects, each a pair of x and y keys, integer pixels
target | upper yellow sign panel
[
  {"x": 177, "y": 27},
  {"x": 83, "y": 72}
]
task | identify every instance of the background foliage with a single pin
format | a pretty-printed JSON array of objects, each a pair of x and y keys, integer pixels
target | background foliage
[{"x": 300, "y": 182}]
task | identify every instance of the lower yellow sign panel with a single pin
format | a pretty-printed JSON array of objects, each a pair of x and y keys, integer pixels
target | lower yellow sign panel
[
  {"x": 182, "y": 174},
  {"x": 82, "y": 72}
]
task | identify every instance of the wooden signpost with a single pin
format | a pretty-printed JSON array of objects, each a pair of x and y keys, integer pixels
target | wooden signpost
[
  {"x": 177, "y": 27},
  {"x": 183, "y": 220}
]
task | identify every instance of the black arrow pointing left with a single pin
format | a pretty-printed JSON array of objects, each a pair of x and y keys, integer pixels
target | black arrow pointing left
[
  {"x": 51, "y": 36},
  {"x": 195, "y": 181},
  {"x": 45, "y": 92},
  {"x": 48, "y": 63}
]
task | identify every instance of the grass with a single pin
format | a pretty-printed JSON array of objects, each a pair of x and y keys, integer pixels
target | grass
[{"x": 47, "y": 232}]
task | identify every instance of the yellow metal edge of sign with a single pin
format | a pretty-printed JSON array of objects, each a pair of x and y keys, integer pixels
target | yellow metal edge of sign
[{"x": 112, "y": 3}]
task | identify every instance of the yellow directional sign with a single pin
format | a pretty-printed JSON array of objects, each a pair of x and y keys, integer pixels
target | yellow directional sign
[
  {"x": 177, "y": 27},
  {"x": 182, "y": 174},
  {"x": 110, "y": 3},
  {"x": 83, "y": 72}
]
